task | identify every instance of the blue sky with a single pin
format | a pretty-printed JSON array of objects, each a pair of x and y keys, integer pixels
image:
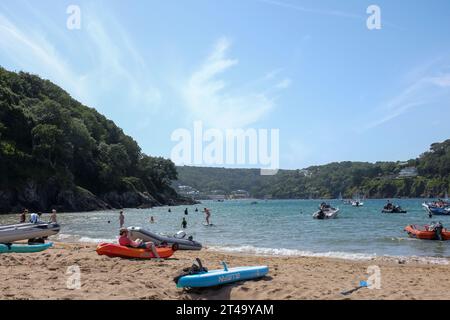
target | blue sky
[{"x": 335, "y": 90}]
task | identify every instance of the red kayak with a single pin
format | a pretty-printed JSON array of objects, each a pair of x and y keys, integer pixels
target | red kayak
[{"x": 115, "y": 250}]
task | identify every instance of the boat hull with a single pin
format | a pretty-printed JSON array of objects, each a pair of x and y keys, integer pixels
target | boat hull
[
  {"x": 183, "y": 244},
  {"x": 24, "y": 248},
  {"x": 417, "y": 232},
  {"x": 114, "y": 250},
  {"x": 25, "y": 231}
]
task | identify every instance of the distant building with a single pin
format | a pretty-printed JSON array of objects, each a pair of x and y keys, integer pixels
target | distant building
[{"x": 408, "y": 172}]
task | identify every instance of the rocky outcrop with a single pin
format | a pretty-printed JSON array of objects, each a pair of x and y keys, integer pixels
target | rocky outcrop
[{"x": 46, "y": 196}]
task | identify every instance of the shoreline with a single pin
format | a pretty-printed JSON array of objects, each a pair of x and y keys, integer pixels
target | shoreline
[{"x": 45, "y": 275}]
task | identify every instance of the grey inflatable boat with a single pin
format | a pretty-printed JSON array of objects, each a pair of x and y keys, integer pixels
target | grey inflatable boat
[
  {"x": 184, "y": 242},
  {"x": 25, "y": 231}
]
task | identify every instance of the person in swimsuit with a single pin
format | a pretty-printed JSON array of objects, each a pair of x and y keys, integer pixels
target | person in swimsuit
[
  {"x": 208, "y": 214},
  {"x": 53, "y": 216},
  {"x": 23, "y": 216},
  {"x": 124, "y": 240},
  {"x": 121, "y": 219}
]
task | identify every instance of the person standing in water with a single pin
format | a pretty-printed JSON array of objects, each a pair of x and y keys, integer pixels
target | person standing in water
[
  {"x": 53, "y": 216},
  {"x": 184, "y": 223},
  {"x": 208, "y": 214},
  {"x": 186, "y": 211},
  {"x": 23, "y": 216},
  {"x": 121, "y": 219},
  {"x": 196, "y": 209},
  {"x": 152, "y": 220}
]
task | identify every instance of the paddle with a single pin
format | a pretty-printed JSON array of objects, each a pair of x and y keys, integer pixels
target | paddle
[{"x": 362, "y": 284}]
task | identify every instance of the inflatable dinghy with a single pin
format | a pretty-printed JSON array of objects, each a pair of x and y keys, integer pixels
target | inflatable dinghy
[
  {"x": 183, "y": 242},
  {"x": 428, "y": 232},
  {"x": 205, "y": 278},
  {"x": 24, "y": 231},
  {"x": 114, "y": 250},
  {"x": 24, "y": 248}
]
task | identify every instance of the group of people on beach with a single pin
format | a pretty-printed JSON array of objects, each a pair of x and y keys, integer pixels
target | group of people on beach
[{"x": 36, "y": 217}]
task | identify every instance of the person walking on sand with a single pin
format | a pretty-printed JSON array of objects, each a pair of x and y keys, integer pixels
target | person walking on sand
[
  {"x": 23, "y": 216},
  {"x": 121, "y": 219},
  {"x": 184, "y": 223},
  {"x": 208, "y": 215},
  {"x": 53, "y": 216}
]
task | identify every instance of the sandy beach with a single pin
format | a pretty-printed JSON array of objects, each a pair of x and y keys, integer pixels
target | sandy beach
[{"x": 44, "y": 275}]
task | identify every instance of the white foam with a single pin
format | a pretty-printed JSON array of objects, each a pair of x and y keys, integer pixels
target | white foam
[
  {"x": 293, "y": 252},
  {"x": 330, "y": 254},
  {"x": 96, "y": 240}
]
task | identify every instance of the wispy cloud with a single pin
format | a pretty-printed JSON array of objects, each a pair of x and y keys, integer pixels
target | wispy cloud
[
  {"x": 209, "y": 99},
  {"x": 425, "y": 90},
  {"x": 108, "y": 59},
  {"x": 285, "y": 83}
]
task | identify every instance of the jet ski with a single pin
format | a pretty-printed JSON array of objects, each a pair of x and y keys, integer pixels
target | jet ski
[
  {"x": 184, "y": 242},
  {"x": 25, "y": 231}
]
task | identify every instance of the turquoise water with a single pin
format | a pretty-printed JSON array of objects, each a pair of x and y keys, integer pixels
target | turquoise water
[{"x": 280, "y": 227}]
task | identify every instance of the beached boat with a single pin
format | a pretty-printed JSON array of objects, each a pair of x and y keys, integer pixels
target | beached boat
[
  {"x": 24, "y": 248},
  {"x": 221, "y": 276},
  {"x": 184, "y": 242},
  {"x": 115, "y": 250},
  {"x": 25, "y": 231},
  {"x": 433, "y": 209},
  {"x": 428, "y": 232}
]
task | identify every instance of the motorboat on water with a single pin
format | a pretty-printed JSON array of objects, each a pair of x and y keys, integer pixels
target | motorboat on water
[
  {"x": 437, "y": 208},
  {"x": 326, "y": 212},
  {"x": 183, "y": 241},
  {"x": 357, "y": 203},
  {"x": 26, "y": 231},
  {"x": 392, "y": 208},
  {"x": 434, "y": 231}
]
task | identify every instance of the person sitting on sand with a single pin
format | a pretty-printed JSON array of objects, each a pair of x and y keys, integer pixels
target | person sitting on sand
[
  {"x": 184, "y": 223},
  {"x": 23, "y": 216},
  {"x": 208, "y": 214},
  {"x": 125, "y": 241},
  {"x": 35, "y": 217}
]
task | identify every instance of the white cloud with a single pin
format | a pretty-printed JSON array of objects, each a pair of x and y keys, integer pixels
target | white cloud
[
  {"x": 209, "y": 99},
  {"x": 284, "y": 84},
  {"x": 423, "y": 91},
  {"x": 114, "y": 63}
]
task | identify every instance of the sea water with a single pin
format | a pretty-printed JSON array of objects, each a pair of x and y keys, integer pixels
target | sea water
[{"x": 273, "y": 227}]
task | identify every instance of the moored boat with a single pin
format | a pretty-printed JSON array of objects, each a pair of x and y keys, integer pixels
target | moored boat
[
  {"x": 434, "y": 208},
  {"x": 326, "y": 212}
]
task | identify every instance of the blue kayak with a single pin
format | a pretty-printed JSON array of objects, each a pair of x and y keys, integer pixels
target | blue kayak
[
  {"x": 24, "y": 248},
  {"x": 223, "y": 276}
]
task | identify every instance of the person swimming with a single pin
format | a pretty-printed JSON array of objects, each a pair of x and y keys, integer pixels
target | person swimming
[{"x": 124, "y": 240}]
